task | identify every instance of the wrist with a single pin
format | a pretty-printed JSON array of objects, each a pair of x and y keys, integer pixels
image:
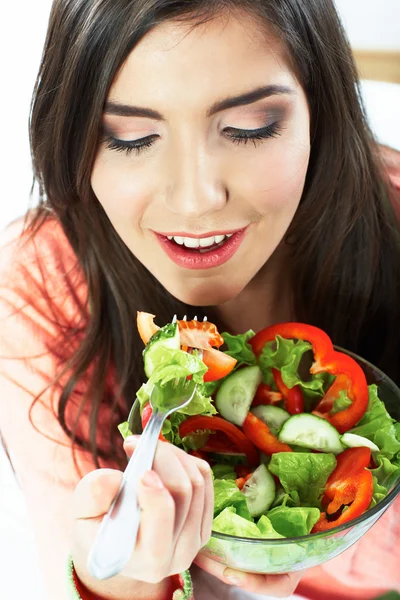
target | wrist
[{"x": 176, "y": 587}]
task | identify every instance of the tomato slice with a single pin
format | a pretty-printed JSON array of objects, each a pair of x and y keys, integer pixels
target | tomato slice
[
  {"x": 199, "y": 334},
  {"x": 146, "y": 326},
  {"x": 219, "y": 364}
]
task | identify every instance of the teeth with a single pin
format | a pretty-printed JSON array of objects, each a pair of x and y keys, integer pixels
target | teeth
[
  {"x": 199, "y": 242},
  {"x": 204, "y": 242},
  {"x": 191, "y": 242},
  {"x": 219, "y": 238}
]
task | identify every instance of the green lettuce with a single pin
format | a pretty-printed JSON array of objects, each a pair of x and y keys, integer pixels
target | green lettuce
[
  {"x": 286, "y": 355},
  {"x": 379, "y": 493},
  {"x": 341, "y": 403},
  {"x": 226, "y": 493},
  {"x": 221, "y": 471},
  {"x": 231, "y": 523},
  {"x": 124, "y": 429},
  {"x": 304, "y": 474},
  {"x": 378, "y": 426},
  {"x": 387, "y": 472},
  {"x": 293, "y": 522},
  {"x": 239, "y": 348}
]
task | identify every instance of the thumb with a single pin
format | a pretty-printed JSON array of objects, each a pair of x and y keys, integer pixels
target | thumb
[{"x": 94, "y": 493}]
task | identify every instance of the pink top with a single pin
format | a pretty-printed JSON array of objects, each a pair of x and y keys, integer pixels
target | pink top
[{"x": 49, "y": 293}]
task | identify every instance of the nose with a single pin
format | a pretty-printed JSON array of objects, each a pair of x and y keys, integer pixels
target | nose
[{"x": 194, "y": 187}]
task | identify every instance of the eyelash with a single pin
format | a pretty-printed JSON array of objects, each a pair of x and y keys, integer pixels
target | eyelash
[{"x": 237, "y": 136}]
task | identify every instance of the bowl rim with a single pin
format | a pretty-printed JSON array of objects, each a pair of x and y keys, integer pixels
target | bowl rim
[{"x": 380, "y": 507}]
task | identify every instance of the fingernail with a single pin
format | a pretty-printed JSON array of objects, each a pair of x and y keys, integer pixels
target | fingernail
[
  {"x": 152, "y": 480},
  {"x": 233, "y": 577}
]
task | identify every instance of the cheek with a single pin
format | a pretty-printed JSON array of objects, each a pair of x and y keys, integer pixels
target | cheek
[
  {"x": 122, "y": 194},
  {"x": 273, "y": 181}
]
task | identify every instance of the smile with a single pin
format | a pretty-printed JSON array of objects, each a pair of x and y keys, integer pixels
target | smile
[{"x": 205, "y": 252}]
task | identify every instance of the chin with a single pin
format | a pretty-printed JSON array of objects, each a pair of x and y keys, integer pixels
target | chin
[{"x": 203, "y": 293}]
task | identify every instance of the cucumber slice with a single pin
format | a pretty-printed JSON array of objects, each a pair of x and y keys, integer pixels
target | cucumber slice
[
  {"x": 310, "y": 431},
  {"x": 351, "y": 440},
  {"x": 259, "y": 490},
  {"x": 168, "y": 337},
  {"x": 273, "y": 416},
  {"x": 234, "y": 397}
]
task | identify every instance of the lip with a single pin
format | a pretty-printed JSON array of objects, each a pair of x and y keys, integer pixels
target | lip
[
  {"x": 198, "y": 236},
  {"x": 193, "y": 259}
]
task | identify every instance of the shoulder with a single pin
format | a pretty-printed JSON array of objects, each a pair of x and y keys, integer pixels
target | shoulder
[{"x": 43, "y": 293}]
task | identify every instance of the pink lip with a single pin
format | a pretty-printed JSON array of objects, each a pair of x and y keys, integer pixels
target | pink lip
[
  {"x": 193, "y": 259},
  {"x": 197, "y": 236}
]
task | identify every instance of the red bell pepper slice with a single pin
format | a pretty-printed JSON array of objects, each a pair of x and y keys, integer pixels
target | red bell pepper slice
[
  {"x": 240, "y": 441},
  {"x": 265, "y": 395},
  {"x": 259, "y": 433},
  {"x": 294, "y": 400},
  {"x": 326, "y": 359},
  {"x": 147, "y": 411},
  {"x": 349, "y": 485}
]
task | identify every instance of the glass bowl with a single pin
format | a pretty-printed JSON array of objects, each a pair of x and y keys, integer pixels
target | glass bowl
[{"x": 293, "y": 554}]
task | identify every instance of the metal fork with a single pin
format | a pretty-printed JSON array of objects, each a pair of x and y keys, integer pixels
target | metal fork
[{"x": 116, "y": 537}]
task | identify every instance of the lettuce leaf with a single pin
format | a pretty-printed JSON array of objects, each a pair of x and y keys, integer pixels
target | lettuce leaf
[
  {"x": 239, "y": 348},
  {"x": 124, "y": 430},
  {"x": 378, "y": 426},
  {"x": 379, "y": 493},
  {"x": 341, "y": 403},
  {"x": 286, "y": 355},
  {"x": 387, "y": 472},
  {"x": 221, "y": 471},
  {"x": 231, "y": 523},
  {"x": 292, "y": 522},
  {"x": 303, "y": 473},
  {"x": 226, "y": 493}
]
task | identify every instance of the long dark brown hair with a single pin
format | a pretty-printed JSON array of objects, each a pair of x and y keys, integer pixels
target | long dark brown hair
[{"x": 345, "y": 251}]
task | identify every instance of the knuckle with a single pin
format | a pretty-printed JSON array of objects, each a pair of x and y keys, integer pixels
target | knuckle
[
  {"x": 197, "y": 480},
  {"x": 182, "y": 488}
]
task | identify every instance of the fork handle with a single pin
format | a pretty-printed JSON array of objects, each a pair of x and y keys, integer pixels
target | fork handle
[{"x": 116, "y": 537}]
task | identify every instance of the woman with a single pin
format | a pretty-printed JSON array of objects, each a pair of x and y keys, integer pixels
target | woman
[{"x": 158, "y": 127}]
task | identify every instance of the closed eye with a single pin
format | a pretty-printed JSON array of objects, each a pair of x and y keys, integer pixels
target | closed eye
[
  {"x": 242, "y": 136},
  {"x": 237, "y": 136}
]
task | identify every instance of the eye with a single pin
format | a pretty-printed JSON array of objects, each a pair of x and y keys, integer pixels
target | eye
[
  {"x": 242, "y": 136},
  {"x": 136, "y": 146}
]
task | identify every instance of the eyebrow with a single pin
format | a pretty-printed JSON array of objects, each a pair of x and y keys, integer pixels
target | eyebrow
[{"x": 126, "y": 110}]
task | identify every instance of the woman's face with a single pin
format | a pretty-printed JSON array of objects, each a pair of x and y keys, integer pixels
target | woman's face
[{"x": 206, "y": 132}]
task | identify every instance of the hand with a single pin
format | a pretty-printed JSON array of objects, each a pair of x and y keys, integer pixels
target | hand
[
  {"x": 177, "y": 502},
  {"x": 279, "y": 586}
]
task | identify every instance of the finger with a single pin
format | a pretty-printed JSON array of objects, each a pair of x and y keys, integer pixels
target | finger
[
  {"x": 208, "y": 511},
  {"x": 189, "y": 527},
  {"x": 173, "y": 476},
  {"x": 94, "y": 493},
  {"x": 280, "y": 586},
  {"x": 169, "y": 468},
  {"x": 155, "y": 536}
]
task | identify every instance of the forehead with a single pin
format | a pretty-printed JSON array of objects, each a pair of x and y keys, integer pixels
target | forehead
[{"x": 221, "y": 56}]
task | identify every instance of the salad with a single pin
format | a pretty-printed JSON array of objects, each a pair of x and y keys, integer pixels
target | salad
[{"x": 297, "y": 441}]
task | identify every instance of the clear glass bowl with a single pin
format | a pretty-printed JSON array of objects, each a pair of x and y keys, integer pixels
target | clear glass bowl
[{"x": 293, "y": 554}]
